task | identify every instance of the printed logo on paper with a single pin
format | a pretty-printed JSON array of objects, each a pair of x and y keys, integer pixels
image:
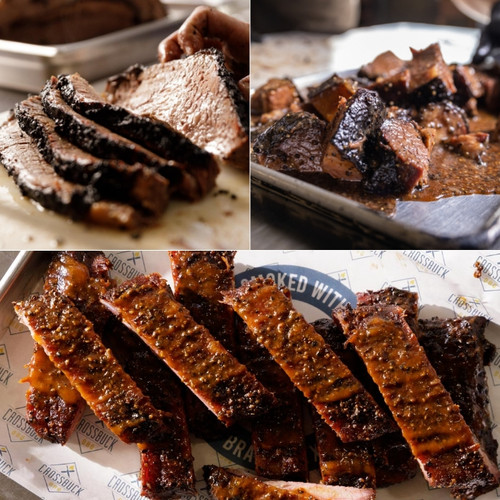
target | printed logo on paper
[
  {"x": 62, "y": 478},
  {"x": 18, "y": 428},
  {"x": 5, "y": 371},
  {"x": 494, "y": 368},
  {"x": 127, "y": 264},
  {"x": 489, "y": 268},
  {"x": 6, "y": 466},
  {"x": 125, "y": 486},
  {"x": 429, "y": 261},
  {"x": 408, "y": 284},
  {"x": 366, "y": 254},
  {"x": 312, "y": 291},
  {"x": 467, "y": 306},
  {"x": 93, "y": 435}
]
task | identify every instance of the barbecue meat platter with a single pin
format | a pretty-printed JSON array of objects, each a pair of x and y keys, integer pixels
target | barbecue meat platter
[
  {"x": 366, "y": 396},
  {"x": 398, "y": 136}
]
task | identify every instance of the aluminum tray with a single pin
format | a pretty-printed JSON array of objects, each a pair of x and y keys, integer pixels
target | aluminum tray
[
  {"x": 459, "y": 222},
  {"x": 26, "y": 67}
]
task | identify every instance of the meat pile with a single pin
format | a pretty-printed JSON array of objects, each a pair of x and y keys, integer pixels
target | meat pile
[
  {"x": 118, "y": 163},
  {"x": 388, "y": 392},
  {"x": 381, "y": 130},
  {"x": 64, "y": 21}
]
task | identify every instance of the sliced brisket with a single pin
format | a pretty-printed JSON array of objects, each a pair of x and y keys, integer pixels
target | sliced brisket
[
  {"x": 196, "y": 169},
  {"x": 196, "y": 96},
  {"x": 112, "y": 179}
]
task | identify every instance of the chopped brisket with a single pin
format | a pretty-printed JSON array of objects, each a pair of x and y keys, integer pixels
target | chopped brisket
[
  {"x": 193, "y": 171},
  {"x": 383, "y": 66},
  {"x": 472, "y": 145},
  {"x": 308, "y": 361},
  {"x": 147, "y": 306},
  {"x": 277, "y": 94},
  {"x": 445, "y": 117},
  {"x": 326, "y": 97},
  {"x": 112, "y": 179},
  {"x": 431, "y": 423},
  {"x": 71, "y": 343},
  {"x": 196, "y": 96}
]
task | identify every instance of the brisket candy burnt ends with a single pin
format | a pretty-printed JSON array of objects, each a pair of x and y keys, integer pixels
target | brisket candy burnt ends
[
  {"x": 196, "y": 96},
  {"x": 192, "y": 172}
]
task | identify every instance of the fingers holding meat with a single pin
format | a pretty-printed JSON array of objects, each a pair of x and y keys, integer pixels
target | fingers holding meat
[{"x": 208, "y": 27}]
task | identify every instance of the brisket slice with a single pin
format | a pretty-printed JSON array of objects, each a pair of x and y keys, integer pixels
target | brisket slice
[
  {"x": 197, "y": 169},
  {"x": 308, "y": 361},
  {"x": 227, "y": 483},
  {"x": 93, "y": 137},
  {"x": 445, "y": 447},
  {"x": 147, "y": 306},
  {"x": 37, "y": 180},
  {"x": 196, "y": 96},
  {"x": 53, "y": 406},
  {"x": 71, "y": 343},
  {"x": 112, "y": 179}
]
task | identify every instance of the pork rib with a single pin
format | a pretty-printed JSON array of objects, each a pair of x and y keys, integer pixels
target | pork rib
[
  {"x": 446, "y": 449},
  {"x": 72, "y": 345},
  {"x": 147, "y": 306},
  {"x": 53, "y": 406},
  {"x": 310, "y": 363}
]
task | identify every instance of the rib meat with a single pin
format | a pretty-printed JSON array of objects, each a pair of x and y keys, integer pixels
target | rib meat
[
  {"x": 147, "y": 306},
  {"x": 194, "y": 172},
  {"x": 310, "y": 363},
  {"x": 72, "y": 345},
  {"x": 199, "y": 279},
  {"x": 226, "y": 483},
  {"x": 446, "y": 449},
  {"x": 196, "y": 96},
  {"x": 112, "y": 179},
  {"x": 53, "y": 406}
]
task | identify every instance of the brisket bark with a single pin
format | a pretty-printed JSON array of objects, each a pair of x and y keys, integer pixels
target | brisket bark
[
  {"x": 73, "y": 346},
  {"x": 196, "y": 96},
  {"x": 112, "y": 179},
  {"x": 37, "y": 180},
  {"x": 445, "y": 447},
  {"x": 194, "y": 172},
  {"x": 310, "y": 363},
  {"x": 146, "y": 304}
]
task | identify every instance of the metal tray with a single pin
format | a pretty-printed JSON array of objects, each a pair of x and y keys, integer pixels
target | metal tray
[
  {"x": 459, "y": 222},
  {"x": 26, "y": 67}
]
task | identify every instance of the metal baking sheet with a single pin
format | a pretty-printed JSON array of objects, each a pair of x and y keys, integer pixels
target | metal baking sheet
[{"x": 26, "y": 67}]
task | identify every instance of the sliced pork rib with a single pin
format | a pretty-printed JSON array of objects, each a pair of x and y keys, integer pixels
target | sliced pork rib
[
  {"x": 308, "y": 361},
  {"x": 112, "y": 179},
  {"x": 72, "y": 345},
  {"x": 446, "y": 449},
  {"x": 147, "y": 306},
  {"x": 196, "y": 96},
  {"x": 194, "y": 172}
]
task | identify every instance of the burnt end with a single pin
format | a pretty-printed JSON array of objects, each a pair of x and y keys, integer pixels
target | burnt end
[
  {"x": 399, "y": 159},
  {"x": 394, "y": 88},
  {"x": 293, "y": 144},
  {"x": 446, "y": 118},
  {"x": 276, "y": 94},
  {"x": 356, "y": 121},
  {"x": 383, "y": 66},
  {"x": 326, "y": 97},
  {"x": 468, "y": 84}
]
